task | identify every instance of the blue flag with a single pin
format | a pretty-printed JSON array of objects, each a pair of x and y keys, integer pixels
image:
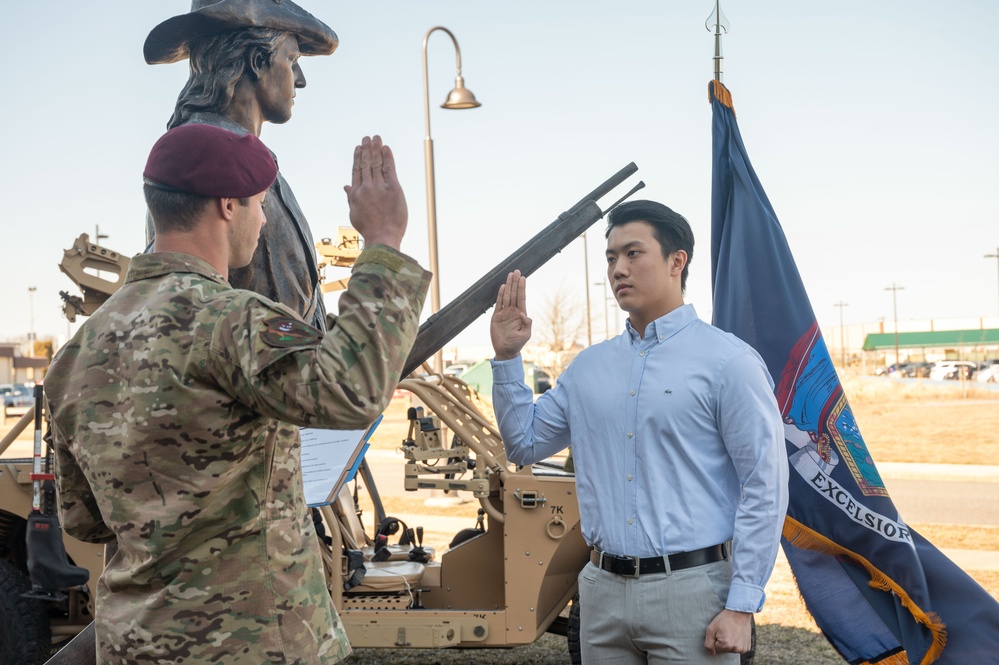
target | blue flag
[{"x": 878, "y": 591}]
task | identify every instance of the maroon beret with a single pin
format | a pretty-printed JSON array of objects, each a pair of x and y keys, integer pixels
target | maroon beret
[{"x": 211, "y": 161}]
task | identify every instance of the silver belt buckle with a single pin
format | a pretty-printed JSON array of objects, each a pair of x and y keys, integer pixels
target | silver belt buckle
[{"x": 638, "y": 565}]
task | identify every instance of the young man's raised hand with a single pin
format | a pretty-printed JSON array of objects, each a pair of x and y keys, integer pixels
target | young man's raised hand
[{"x": 510, "y": 327}]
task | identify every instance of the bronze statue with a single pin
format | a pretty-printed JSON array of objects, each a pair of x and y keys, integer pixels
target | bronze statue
[{"x": 244, "y": 72}]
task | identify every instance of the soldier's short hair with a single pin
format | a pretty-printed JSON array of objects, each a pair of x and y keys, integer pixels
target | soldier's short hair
[
  {"x": 177, "y": 211},
  {"x": 669, "y": 228},
  {"x": 174, "y": 211}
]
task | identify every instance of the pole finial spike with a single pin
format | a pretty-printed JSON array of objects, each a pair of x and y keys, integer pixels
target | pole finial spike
[{"x": 718, "y": 23}]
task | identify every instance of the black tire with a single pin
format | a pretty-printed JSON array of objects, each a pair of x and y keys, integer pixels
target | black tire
[
  {"x": 25, "y": 632},
  {"x": 748, "y": 657},
  {"x": 572, "y": 633}
]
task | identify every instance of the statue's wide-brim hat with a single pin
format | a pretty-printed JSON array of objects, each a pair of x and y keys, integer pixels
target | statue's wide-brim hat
[{"x": 170, "y": 40}]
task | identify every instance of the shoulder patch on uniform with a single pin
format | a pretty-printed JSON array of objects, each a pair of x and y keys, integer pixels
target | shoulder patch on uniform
[{"x": 285, "y": 331}]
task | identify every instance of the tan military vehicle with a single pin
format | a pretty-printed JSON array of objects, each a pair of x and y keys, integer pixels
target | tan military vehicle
[{"x": 503, "y": 582}]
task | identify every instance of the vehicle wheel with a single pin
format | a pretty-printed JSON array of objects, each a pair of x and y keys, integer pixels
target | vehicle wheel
[
  {"x": 572, "y": 633},
  {"x": 24, "y": 624},
  {"x": 747, "y": 658}
]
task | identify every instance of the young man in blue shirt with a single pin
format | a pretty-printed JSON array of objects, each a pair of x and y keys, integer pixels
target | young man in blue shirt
[{"x": 678, "y": 449}]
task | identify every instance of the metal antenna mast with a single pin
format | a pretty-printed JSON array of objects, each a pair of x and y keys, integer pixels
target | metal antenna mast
[{"x": 718, "y": 23}]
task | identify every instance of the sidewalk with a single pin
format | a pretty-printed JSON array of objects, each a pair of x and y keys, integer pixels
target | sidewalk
[{"x": 958, "y": 472}]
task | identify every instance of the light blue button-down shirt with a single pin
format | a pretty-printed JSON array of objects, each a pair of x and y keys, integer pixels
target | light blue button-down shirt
[{"x": 676, "y": 439}]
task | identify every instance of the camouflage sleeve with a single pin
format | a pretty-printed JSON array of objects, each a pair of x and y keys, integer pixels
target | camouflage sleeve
[
  {"x": 78, "y": 512},
  {"x": 269, "y": 359}
]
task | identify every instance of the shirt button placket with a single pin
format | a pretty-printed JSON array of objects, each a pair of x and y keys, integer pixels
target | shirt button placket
[{"x": 632, "y": 537}]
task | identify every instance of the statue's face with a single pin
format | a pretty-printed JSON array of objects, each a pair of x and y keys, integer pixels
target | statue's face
[{"x": 278, "y": 81}]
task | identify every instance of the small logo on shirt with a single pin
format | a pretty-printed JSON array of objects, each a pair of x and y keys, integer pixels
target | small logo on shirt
[{"x": 669, "y": 391}]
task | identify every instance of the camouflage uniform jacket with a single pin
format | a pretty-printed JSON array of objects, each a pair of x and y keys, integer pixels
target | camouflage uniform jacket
[{"x": 174, "y": 423}]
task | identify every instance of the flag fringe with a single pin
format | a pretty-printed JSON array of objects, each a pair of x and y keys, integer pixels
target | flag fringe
[
  {"x": 717, "y": 90},
  {"x": 799, "y": 535}
]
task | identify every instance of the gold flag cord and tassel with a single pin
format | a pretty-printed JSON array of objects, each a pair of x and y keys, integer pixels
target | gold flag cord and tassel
[{"x": 799, "y": 535}]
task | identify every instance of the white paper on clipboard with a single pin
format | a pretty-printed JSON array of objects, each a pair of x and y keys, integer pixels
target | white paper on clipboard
[{"x": 330, "y": 457}]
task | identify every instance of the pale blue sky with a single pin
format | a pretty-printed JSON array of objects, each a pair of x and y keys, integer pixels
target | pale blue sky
[{"x": 871, "y": 126}]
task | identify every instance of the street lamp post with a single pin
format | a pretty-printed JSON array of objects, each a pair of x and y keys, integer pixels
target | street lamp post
[
  {"x": 459, "y": 98},
  {"x": 994, "y": 256},
  {"x": 894, "y": 305},
  {"x": 842, "y": 338}
]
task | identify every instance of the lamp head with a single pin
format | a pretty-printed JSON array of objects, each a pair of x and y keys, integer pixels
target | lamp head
[{"x": 461, "y": 97}]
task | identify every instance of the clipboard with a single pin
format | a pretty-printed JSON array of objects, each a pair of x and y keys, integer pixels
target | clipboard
[{"x": 330, "y": 458}]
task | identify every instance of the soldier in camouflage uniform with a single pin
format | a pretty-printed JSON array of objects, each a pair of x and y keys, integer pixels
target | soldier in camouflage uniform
[{"x": 175, "y": 413}]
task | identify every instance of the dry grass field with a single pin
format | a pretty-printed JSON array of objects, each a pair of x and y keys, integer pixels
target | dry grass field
[{"x": 920, "y": 422}]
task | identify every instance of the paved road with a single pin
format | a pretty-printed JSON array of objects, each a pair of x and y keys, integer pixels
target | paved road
[{"x": 946, "y": 501}]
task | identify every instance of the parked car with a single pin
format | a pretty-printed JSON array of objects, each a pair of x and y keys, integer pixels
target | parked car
[
  {"x": 455, "y": 369},
  {"x": 889, "y": 370},
  {"x": 17, "y": 397},
  {"x": 916, "y": 370},
  {"x": 947, "y": 370},
  {"x": 989, "y": 372}
]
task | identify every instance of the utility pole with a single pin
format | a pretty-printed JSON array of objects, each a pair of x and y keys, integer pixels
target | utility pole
[
  {"x": 603, "y": 291},
  {"x": 842, "y": 338},
  {"x": 994, "y": 256},
  {"x": 894, "y": 305},
  {"x": 31, "y": 315},
  {"x": 98, "y": 236}
]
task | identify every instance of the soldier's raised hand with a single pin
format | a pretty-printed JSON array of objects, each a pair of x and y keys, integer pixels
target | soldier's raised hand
[
  {"x": 510, "y": 327},
  {"x": 377, "y": 204}
]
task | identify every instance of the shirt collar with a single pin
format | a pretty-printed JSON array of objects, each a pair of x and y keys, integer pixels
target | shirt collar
[
  {"x": 149, "y": 266},
  {"x": 665, "y": 326}
]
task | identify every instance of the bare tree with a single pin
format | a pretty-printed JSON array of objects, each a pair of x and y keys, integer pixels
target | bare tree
[{"x": 557, "y": 329}]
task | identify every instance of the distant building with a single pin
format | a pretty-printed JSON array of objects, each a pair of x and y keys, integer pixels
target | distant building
[
  {"x": 17, "y": 368},
  {"x": 975, "y": 345},
  {"x": 872, "y": 345}
]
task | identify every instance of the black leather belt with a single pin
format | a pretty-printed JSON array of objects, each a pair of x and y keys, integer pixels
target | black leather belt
[{"x": 632, "y": 566}]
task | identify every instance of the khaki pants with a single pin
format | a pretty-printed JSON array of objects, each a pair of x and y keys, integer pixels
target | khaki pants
[{"x": 660, "y": 618}]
